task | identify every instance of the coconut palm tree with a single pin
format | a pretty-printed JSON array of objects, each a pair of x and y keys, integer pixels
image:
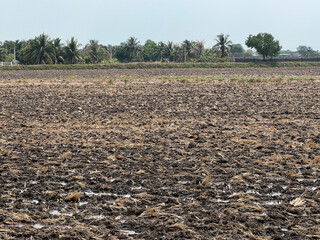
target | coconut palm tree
[
  {"x": 2, "y": 54},
  {"x": 95, "y": 52},
  {"x": 161, "y": 50},
  {"x": 132, "y": 48},
  {"x": 58, "y": 48},
  {"x": 40, "y": 51},
  {"x": 187, "y": 47},
  {"x": 92, "y": 50},
  {"x": 177, "y": 52},
  {"x": 169, "y": 50},
  {"x": 197, "y": 49},
  {"x": 72, "y": 53},
  {"x": 223, "y": 45}
]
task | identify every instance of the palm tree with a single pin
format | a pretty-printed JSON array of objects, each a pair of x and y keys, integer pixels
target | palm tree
[
  {"x": 58, "y": 48},
  {"x": 2, "y": 54},
  {"x": 92, "y": 50},
  {"x": 223, "y": 45},
  {"x": 132, "y": 48},
  {"x": 40, "y": 51},
  {"x": 72, "y": 53},
  {"x": 161, "y": 50},
  {"x": 198, "y": 49},
  {"x": 187, "y": 47},
  {"x": 169, "y": 50},
  {"x": 177, "y": 52}
]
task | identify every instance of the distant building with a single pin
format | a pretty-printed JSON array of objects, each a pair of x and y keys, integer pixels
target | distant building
[
  {"x": 13, "y": 62},
  {"x": 289, "y": 54}
]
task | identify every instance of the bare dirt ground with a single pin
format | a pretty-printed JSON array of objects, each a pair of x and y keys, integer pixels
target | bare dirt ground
[
  {"x": 289, "y": 71},
  {"x": 154, "y": 160}
]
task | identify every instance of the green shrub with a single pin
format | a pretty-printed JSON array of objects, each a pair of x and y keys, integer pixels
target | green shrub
[{"x": 184, "y": 80}]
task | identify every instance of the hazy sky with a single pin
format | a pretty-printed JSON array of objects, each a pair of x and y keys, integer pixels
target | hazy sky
[{"x": 292, "y": 22}]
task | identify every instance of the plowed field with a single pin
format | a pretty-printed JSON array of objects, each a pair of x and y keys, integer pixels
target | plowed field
[
  {"x": 289, "y": 71},
  {"x": 159, "y": 160}
]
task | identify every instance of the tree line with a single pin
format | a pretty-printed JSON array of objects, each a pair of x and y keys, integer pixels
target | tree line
[{"x": 45, "y": 50}]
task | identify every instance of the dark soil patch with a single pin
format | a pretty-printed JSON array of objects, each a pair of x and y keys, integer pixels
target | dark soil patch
[
  {"x": 286, "y": 71},
  {"x": 160, "y": 161}
]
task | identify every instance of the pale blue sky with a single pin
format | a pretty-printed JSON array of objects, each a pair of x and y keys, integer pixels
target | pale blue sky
[{"x": 292, "y": 22}]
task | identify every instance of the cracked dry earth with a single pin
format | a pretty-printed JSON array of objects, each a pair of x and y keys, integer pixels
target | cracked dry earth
[{"x": 160, "y": 161}]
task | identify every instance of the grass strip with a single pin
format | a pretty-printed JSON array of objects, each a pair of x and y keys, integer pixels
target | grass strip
[{"x": 159, "y": 65}]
